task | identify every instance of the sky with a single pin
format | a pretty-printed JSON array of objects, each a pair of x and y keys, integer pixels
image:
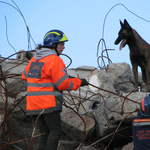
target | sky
[{"x": 84, "y": 22}]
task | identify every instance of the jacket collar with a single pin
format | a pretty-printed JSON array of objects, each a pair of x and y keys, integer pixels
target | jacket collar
[{"x": 43, "y": 52}]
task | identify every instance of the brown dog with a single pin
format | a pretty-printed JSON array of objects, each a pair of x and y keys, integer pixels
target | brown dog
[{"x": 139, "y": 52}]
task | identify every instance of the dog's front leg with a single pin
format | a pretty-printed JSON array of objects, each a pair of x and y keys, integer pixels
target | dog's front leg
[
  {"x": 135, "y": 76},
  {"x": 147, "y": 79}
]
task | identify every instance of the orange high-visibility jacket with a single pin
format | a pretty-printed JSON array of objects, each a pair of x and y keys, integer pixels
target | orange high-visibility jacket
[{"x": 46, "y": 77}]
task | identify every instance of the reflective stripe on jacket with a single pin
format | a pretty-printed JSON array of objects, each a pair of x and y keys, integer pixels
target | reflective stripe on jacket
[
  {"x": 141, "y": 133},
  {"x": 46, "y": 78}
]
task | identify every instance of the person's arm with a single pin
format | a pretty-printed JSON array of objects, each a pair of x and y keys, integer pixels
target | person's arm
[{"x": 59, "y": 76}]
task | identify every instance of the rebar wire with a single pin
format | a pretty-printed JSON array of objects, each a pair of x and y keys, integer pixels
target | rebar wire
[
  {"x": 69, "y": 58},
  {"x": 13, "y": 55},
  {"x": 103, "y": 65},
  {"x": 14, "y": 146},
  {"x": 7, "y": 35},
  {"x": 80, "y": 146},
  {"x": 107, "y": 136},
  {"x": 18, "y": 130},
  {"x": 28, "y": 31},
  {"x": 65, "y": 101},
  {"x": 20, "y": 140},
  {"x": 114, "y": 93},
  {"x": 34, "y": 129},
  {"x": 107, "y": 56},
  {"x": 101, "y": 40}
]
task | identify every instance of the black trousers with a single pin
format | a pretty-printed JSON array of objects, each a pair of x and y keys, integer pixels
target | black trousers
[{"x": 50, "y": 124}]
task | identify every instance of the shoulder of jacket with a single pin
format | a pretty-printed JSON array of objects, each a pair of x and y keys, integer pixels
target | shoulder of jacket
[
  {"x": 33, "y": 58},
  {"x": 53, "y": 59}
]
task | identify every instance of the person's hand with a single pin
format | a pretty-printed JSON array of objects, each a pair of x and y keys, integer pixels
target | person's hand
[{"x": 84, "y": 82}]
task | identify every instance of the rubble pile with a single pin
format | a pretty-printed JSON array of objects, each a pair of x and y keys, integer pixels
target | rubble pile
[{"x": 94, "y": 117}]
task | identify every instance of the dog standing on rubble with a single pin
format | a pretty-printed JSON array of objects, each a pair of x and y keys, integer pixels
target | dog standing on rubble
[{"x": 139, "y": 52}]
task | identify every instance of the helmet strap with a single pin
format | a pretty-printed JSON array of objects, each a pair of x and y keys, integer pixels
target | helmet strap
[{"x": 56, "y": 49}]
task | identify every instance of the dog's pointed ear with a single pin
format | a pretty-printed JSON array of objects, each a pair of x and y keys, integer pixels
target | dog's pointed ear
[
  {"x": 126, "y": 25},
  {"x": 122, "y": 25}
]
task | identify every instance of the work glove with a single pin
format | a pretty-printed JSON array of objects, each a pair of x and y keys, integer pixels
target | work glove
[{"x": 84, "y": 82}]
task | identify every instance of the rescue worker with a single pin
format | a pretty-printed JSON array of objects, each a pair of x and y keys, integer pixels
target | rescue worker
[
  {"x": 141, "y": 126},
  {"x": 47, "y": 77}
]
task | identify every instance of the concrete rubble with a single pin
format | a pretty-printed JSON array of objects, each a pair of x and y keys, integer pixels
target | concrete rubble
[{"x": 89, "y": 113}]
